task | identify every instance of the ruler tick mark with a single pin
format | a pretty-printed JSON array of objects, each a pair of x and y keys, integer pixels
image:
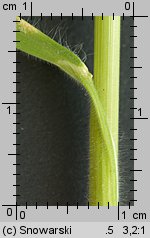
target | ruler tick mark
[
  {"x": 135, "y": 67},
  {"x": 82, "y": 13},
  {"x": 14, "y": 51},
  {"x": 129, "y": 205},
  {"x": 136, "y": 118},
  {"x": 123, "y": 16},
  {"x": 31, "y": 10},
  {"x": 133, "y": 149},
  {"x": 136, "y": 170},
  {"x": 13, "y": 154},
  {"x": 118, "y": 211}
]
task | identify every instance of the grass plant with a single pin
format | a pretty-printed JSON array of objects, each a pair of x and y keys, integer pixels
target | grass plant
[{"x": 102, "y": 89}]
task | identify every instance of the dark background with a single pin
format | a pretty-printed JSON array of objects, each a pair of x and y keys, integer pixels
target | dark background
[{"x": 54, "y": 119}]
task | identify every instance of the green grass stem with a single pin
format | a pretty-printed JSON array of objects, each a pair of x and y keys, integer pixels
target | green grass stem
[{"x": 103, "y": 176}]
